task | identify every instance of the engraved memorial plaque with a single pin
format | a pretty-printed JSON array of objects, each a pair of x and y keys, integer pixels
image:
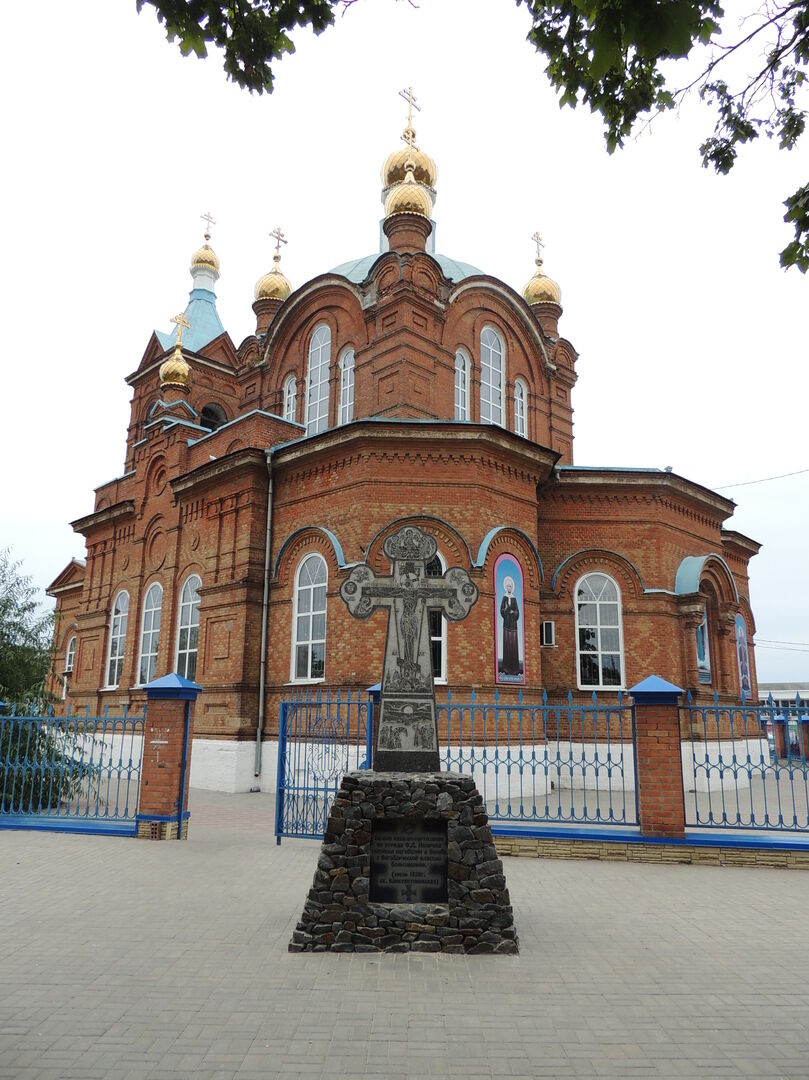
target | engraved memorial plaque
[{"x": 409, "y": 862}]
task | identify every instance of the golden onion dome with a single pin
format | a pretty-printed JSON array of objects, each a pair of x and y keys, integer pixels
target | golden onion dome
[
  {"x": 408, "y": 197},
  {"x": 395, "y": 167},
  {"x": 207, "y": 257},
  {"x": 541, "y": 289},
  {"x": 175, "y": 371},
  {"x": 273, "y": 285}
]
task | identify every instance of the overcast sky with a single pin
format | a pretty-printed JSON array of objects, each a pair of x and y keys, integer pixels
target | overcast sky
[{"x": 692, "y": 340}]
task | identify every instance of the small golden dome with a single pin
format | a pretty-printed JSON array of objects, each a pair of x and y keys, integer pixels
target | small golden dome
[
  {"x": 273, "y": 286},
  {"x": 205, "y": 256},
  {"x": 394, "y": 169},
  {"x": 408, "y": 198},
  {"x": 542, "y": 290},
  {"x": 175, "y": 371}
]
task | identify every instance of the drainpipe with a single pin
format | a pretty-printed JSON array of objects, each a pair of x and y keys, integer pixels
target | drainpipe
[{"x": 262, "y": 678}]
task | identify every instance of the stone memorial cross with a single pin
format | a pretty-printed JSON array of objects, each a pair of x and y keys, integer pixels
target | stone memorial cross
[{"x": 406, "y": 729}]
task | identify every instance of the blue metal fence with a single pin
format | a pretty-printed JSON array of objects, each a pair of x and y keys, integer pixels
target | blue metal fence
[
  {"x": 321, "y": 736},
  {"x": 533, "y": 763},
  {"x": 746, "y": 766},
  {"x": 76, "y": 772},
  {"x": 544, "y": 763}
]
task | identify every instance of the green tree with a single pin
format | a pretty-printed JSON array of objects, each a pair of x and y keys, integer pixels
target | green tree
[
  {"x": 608, "y": 54},
  {"x": 25, "y": 637}
]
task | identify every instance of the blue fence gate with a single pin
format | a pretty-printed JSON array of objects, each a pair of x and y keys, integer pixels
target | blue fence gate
[
  {"x": 746, "y": 767},
  {"x": 75, "y": 772},
  {"x": 540, "y": 764}
]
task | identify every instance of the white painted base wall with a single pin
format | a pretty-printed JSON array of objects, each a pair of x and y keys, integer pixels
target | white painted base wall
[{"x": 221, "y": 765}]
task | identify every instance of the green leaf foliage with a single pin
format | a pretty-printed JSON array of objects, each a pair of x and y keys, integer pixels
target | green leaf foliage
[{"x": 25, "y": 637}]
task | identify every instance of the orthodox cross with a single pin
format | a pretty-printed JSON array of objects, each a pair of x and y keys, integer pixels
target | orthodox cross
[
  {"x": 538, "y": 241},
  {"x": 411, "y": 104},
  {"x": 208, "y": 219},
  {"x": 279, "y": 239},
  {"x": 406, "y": 730},
  {"x": 180, "y": 321}
]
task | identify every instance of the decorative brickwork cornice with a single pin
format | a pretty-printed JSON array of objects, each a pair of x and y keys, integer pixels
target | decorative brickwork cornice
[
  {"x": 669, "y": 489},
  {"x": 236, "y": 462},
  {"x": 103, "y": 517}
]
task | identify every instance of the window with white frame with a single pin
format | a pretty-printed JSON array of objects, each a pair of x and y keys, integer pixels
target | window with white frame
[
  {"x": 290, "y": 398},
  {"x": 188, "y": 634},
  {"x": 347, "y": 386},
  {"x": 703, "y": 650},
  {"x": 317, "y": 381},
  {"x": 599, "y": 644},
  {"x": 461, "y": 385},
  {"x": 492, "y": 376},
  {"x": 437, "y": 626},
  {"x": 309, "y": 620},
  {"x": 150, "y": 633},
  {"x": 115, "y": 658},
  {"x": 70, "y": 660},
  {"x": 520, "y": 396}
]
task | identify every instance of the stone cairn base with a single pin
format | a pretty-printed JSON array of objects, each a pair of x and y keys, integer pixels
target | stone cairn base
[{"x": 339, "y": 916}]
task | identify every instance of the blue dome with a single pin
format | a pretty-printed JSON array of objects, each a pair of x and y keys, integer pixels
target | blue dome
[{"x": 357, "y": 270}]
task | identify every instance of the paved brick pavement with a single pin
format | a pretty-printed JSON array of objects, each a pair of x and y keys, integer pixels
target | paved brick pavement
[{"x": 129, "y": 959}]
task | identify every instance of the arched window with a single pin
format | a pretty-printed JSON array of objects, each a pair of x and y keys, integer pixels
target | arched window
[
  {"x": 599, "y": 645},
  {"x": 461, "y": 385},
  {"x": 317, "y": 381},
  {"x": 150, "y": 633},
  {"x": 70, "y": 660},
  {"x": 188, "y": 636},
  {"x": 213, "y": 416},
  {"x": 347, "y": 386},
  {"x": 290, "y": 398},
  {"x": 520, "y": 397},
  {"x": 437, "y": 626},
  {"x": 704, "y": 650},
  {"x": 115, "y": 659},
  {"x": 492, "y": 376},
  {"x": 309, "y": 620}
]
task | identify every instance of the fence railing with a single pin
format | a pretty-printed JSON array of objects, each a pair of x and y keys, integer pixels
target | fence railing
[
  {"x": 746, "y": 766},
  {"x": 553, "y": 763},
  {"x": 322, "y": 735},
  {"x": 74, "y": 769}
]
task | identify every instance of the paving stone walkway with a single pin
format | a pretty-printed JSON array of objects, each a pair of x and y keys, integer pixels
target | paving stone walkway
[{"x": 159, "y": 961}]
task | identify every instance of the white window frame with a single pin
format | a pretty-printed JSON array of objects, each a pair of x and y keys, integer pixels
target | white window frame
[
  {"x": 149, "y": 634},
  {"x": 70, "y": 661},
  {"x": 492, "y": 359},
  {"x": 441, "y": 678},
  {"x": 346, "y": 387},
  {"x": 598, "y": 652},
  {"x": 317, "y": 380},
  {"x": 520, "y": 401},
  {"x": 187, "y": 619},
  {"x": 308, "y": 641},
  {"x": 117, "y": 643},
  {"x": 461, "y": 385},
  {"x": 290, "y": 398}
]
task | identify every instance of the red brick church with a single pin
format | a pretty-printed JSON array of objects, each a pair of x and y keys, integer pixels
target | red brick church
[{"x": 403, "y": 386}]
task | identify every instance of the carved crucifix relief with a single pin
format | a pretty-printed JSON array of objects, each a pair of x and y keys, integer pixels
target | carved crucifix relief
[{"x": 406, "y": 730}]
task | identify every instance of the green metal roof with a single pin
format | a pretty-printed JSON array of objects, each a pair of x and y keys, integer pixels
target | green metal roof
[{"x": 358, "y": 269}]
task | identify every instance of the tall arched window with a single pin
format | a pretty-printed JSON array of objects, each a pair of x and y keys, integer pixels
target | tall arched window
[
  {"x": 70, "y": 660},
  {"x": 115, "y": 659},
  {"x": 520, "y": 397},
  {"x": 309, "y": 620},
  {"x": 317, "y": 381},
  {"x": 290, "y": 398},
  {"x": 461, "y": 385},
  {"x": 150, "y": 633},
  {"x": 599, "y": 644},
  {"x": 437, "y": 626},
  {"x": 188, "y": 636},
  {"x": 492, "y": 376},
  {"x": 704, "y": 650},
  {"x": 347, "y": 386}
]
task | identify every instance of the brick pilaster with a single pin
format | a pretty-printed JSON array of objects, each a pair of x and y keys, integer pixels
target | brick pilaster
[
  {"x": 166, "y": 763},
  {"x": 661, "y": 807}
]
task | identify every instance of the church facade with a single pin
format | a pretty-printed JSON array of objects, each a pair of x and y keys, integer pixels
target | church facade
[{"x": 402, "y": 387}]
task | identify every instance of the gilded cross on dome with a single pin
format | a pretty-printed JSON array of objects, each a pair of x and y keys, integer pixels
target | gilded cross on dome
[
  {"x": 180, "y": 321},
  {"x": 539, "y": 243},
  {"x": 279, "y": 238},
  {"x": 208, "y": 219}
]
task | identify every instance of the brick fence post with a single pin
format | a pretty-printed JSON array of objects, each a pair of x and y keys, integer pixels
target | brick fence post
[
  {"x": 659, "y": 765},
  {"x": 166, "y": 762}
]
